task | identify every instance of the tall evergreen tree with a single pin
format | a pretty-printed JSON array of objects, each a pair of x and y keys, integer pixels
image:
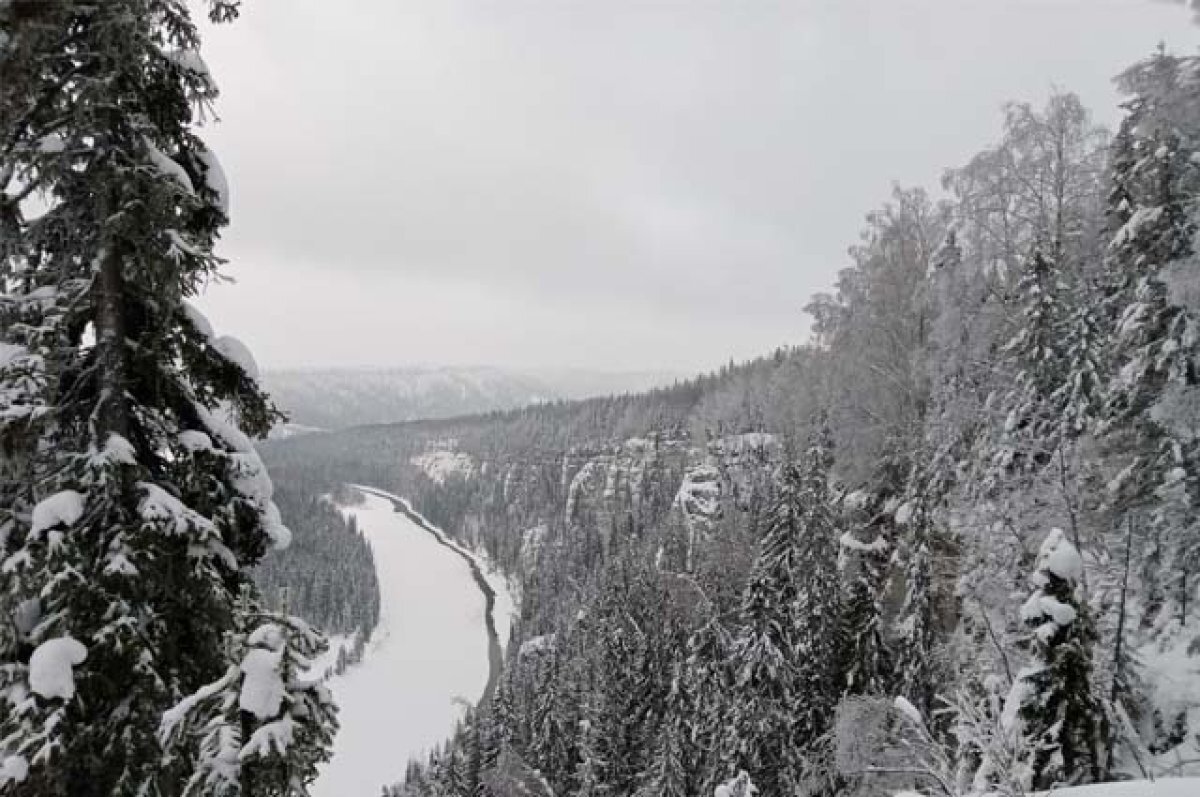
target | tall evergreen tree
[
  {"x": 766, "y": 648},
  {"x": 132, "y": 504},
  {"x": 1150, "y": 272},
  {"x": 916, "y": 624},
  {"x": 784, "y": 652},
  {"x": 818, "y": 600},
  {"x": 1033, "y": 357},
  {"x": 706, "y": 686},
  {"x": 1053, "y": 709}
]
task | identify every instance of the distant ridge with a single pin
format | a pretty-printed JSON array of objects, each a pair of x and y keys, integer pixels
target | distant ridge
[{"x": 336, "y": 398}]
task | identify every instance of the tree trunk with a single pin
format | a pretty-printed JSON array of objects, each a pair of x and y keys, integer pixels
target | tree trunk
[{"x": 110, "y": 342}]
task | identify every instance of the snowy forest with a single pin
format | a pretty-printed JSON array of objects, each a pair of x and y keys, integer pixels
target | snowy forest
[{"x": 948, "y": 547}]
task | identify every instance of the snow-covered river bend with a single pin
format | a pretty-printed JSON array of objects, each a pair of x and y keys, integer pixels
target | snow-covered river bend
[{"x": 428, "y": 658}]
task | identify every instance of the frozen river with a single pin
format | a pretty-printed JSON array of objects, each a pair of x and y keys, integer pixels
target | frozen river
[{"x": 427, "y": 659}]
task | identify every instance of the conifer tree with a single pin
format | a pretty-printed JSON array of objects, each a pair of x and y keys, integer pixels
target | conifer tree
[
  {"x": 706, "y": 686},
  {"x": 865, "y": 656},
  {"x": 589, "y": 772},
  {"x": 262, "y": 728},
  {"x": 819, "y": 597},
  {"x": 1150, "y": 275},
  {"x": 864, "y": 558},
  {"x": 1052, "y": 709},
  {"x": 766, "y": 648},
  {"x": 133, "y": 503},
  {"x": 1033, "y": 358},
  {"x": 917, "y": 637},
  {"x": 783, "y": 691}
]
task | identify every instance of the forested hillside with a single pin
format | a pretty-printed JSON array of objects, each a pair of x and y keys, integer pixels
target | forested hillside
[
  {"x": 327, "y": 575},
  {"x": 950, "y": 545}
]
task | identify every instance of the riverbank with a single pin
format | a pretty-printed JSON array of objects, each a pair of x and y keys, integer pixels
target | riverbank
[
  {"x": 427, "y": 659},
  {"x": 491, "y": 592}
]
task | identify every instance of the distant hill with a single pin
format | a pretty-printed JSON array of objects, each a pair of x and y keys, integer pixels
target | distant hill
[{"x": 339, "y": 398}]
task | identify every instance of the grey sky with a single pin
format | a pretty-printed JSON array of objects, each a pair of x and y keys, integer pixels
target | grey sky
[{"x": 603, "y": 183}]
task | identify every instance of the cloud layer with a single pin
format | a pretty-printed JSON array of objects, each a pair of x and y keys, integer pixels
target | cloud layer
[{"x": 613, "y": 184}]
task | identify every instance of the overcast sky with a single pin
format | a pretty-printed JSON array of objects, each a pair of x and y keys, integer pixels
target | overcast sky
[{"x": 607, "y": 184}]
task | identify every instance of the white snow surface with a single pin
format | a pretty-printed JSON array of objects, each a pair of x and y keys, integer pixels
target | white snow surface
[
  {"x": 505, "y": 612},
  {"x": 910, "y": 711},
  {"x": 51, "y": 672},
  {"x": 238, "y": 353},
  {"x": 159, "y": 507},
  {"x": 440, "y": 465},
  {"x": 1060, "y": 557},
  {"x": 65, "y": 508},
  {"x": 9, "y": 352},
  {"x": 195, "y": 441},
  {"x": 1163, "y": 787},
  {"x": 1040, "y": 605},
  {"x": 262, "y": 689},
  {"x": 428, "y": 654},
  {"x": 852, "y": 543},
  {"x": 538, "y": 644},
  {"x": 199, "y": 320},
  {"x": 14, "y": 768},
  {"x": 189, "y": 60}
]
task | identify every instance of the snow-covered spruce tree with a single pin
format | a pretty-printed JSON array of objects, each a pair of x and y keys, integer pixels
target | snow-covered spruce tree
[
  {"x": 784, "y": 654},
  {"x": 688, "y": 756},
  {"x": 766, "y": 649},
  {"x": 864, "y": 655},
  {"x": 915, "y": 627},
  {"x": 261, "y": 728},
  {"x": 1077, "y": 401},
  {"x": 819, "y": 594},
  {"x": 132, "y": 503},
  {"x": 706, "y": 681},
  {"x": 1149, "y": 417},
  {"x": 671, "y": 772},
  {"x": 1053, "y": 711},
  {"x": 588, "y": 779},
  {"x": 1033, "y": 359}
]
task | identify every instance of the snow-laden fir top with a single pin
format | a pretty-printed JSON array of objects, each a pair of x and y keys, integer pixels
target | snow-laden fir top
[
  {"x": 262, "y": 688},
  {"x": 1041, "y": 606},
  {"x": 1058, "y": 556}
]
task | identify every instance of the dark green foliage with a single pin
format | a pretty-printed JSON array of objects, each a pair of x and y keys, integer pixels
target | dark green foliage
[
  {"x": 327, "y": 575},
  {"x": 133, "y": 507},
  {"x": 1063, "y": 721}
]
